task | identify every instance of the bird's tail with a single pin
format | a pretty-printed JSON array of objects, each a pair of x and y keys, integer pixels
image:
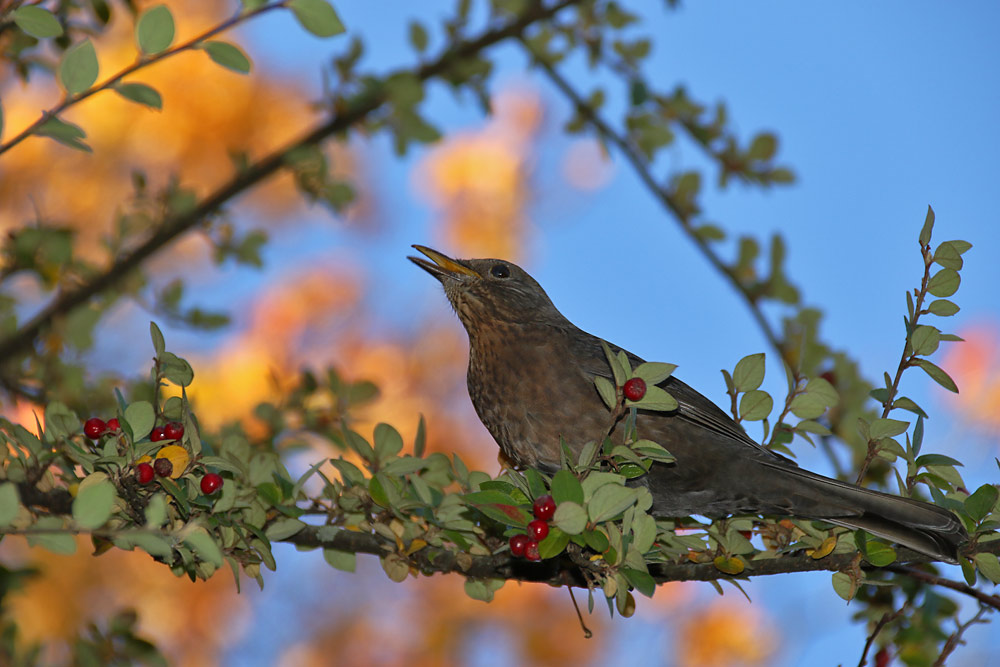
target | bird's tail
[{"x": 921, "y": 526}]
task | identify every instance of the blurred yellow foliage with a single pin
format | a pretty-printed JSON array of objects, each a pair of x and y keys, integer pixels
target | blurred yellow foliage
[
  {"x": 191, "y": 621},
  {"x": 479, "y": 179},
  {"x": 207, "y": 112},
  {"x": 725, "y": 634},
  {"x": 975, "y": 367}
]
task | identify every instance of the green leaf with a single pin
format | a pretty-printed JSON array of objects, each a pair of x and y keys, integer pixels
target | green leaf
[
  {"x": 342, "y": 560},
  {"x": 317, "y": 16},
  {"x": 78, "y": 67},
  {"x": 989, "y": 565},
  {"x": 653, "y": 372},
  {"x": 609, "y": 501},
  {"x": 596, "y": 540},
  {"x": 980, "y": 504},
  {"x": 418, "y": 37},
  {"x": 641, "y": 581},
  {"x": 37, "y": 22},
  {"x": 228, "y": 55},
  {"x": 886, "y": 428},
  {"x": 879, "y": 554},
  {"x": 844, "y": 586},
  {"x": 749, "y": 373},
  {"x": 655, "y": 399},
  {"x": 949, "y": 255},
  {"x": 925, "y": 231},
  {"x": 619, "y": 373},
  {"x": 10, "y": 503},
  {"x": 498, "y": 506},
  {"x": 56, "y": 542},
  {"x": 175, "y": 369},
  {"x": 152, "y": 544},
  {"x": 388, "y": 441},
  {"x": 570, "y": 517},
  {"x": 807, "y": 406},
  {"x": 205, "y": 546},
  {"x": 482, "y": 589},
  {"x": 65, "y": 133},
  {"x": 654, "y": 451},
  {"x": 566, "y": 488},
  {"x": 937, "y": 374},
  {"x": 94, "y": 502},
  {"x": 154, "y": 31},
  {"x": 156, "y": 511},
  {"x": 944, "y": 283},
  {"x": 141, "y": 94},
  {"x": 553, "y": 544},
  {"x": 283, "y": 528},
  {"x": 925, "y": 340},
  {"x": 159, "y": 346},
  {"x": 943, "y": 308},
  {"x": 755, "y": 405},
  {"x": 606, "y": 390},
  {"x": 937, "y": 460},
  {"x": 140, "y": 418}
]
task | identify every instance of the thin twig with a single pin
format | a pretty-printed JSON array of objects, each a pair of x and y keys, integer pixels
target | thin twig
[
  {"x": 887, "y": 618},
  {"x": 959, "y": 586},
  {"x": 141, "y": 62},
  {"x": 643, "y": 170},
  {"x": 360, "y": 107},
  {"x": 956, "y": 637}
]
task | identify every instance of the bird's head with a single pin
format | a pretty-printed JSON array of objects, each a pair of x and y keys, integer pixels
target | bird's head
[{"x": 487, "y": 292}]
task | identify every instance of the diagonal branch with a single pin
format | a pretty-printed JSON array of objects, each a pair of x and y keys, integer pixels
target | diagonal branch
[
  {"x": 357, "y": 110},
  {"x": 643, "y": 170}
]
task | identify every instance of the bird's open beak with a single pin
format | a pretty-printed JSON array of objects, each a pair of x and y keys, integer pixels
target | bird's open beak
[{"x": 443, "y": 266}]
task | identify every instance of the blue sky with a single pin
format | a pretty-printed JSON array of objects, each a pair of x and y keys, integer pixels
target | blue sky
[{"x": 881, "y": 108}]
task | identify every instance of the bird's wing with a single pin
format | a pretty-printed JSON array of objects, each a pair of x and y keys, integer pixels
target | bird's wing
[{"x": 693, "y": 407}]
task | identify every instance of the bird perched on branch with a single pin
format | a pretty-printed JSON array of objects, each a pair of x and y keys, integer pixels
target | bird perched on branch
[{"x": 531, "y": 379}]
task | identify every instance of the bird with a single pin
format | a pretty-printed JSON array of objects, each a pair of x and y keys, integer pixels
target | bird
[{"x": 531, "y": 379}]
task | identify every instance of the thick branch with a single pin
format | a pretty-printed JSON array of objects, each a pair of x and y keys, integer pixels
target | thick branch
[
  {"x": 358, "y": 109},
  {"x": 569, "y": 570}
]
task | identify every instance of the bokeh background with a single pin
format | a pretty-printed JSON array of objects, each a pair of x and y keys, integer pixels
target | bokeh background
[{"x": 881, "y": 110}]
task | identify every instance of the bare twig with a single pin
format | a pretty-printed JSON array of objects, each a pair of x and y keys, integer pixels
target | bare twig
[
  {"x": 956, "y": 637},
  {"x": 643, "y": 170},
  {"x": 887, "y": 618},
  {"x": 959, "y": 586}
]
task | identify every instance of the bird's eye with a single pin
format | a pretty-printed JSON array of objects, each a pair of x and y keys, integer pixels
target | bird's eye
[{"x": 500, "y": 271}]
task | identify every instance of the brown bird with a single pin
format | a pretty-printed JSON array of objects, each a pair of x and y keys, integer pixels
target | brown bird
[{"x": 531, "y": 379}]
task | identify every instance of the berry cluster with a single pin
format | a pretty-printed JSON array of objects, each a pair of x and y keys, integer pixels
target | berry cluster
[
  {"x": 148, "y": 468},
  {"x": 527, "y": 545}
]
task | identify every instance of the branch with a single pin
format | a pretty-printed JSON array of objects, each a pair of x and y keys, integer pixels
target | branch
[
  {"x": 357, "y": 110},
  {"x": 643, "y": 170},
  {"x": 570, "y": 570},
  {"x": 956, "y": 637},
  {"x": 141, "y": 62}
]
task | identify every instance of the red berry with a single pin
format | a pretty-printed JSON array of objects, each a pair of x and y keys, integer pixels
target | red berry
[
  {"x": 544, "y": 507},
  {"x": 538, "y": 529},
  {"x": 882, "y": 657},
  {"x": 94, "y": 428},
  {"x": 163, "y": 467},
  {"x": 144, "y": 473},
  {"x": 518, "y": 543},
  {"x": 159, "y": 433},
  {"x": 635, "y": 389},
  {"x": 113, "y": 425},
  {"x": 531, "y": 550},
  {"x": 174, "y": 431},
  {"x": 211, "y": 483}
]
